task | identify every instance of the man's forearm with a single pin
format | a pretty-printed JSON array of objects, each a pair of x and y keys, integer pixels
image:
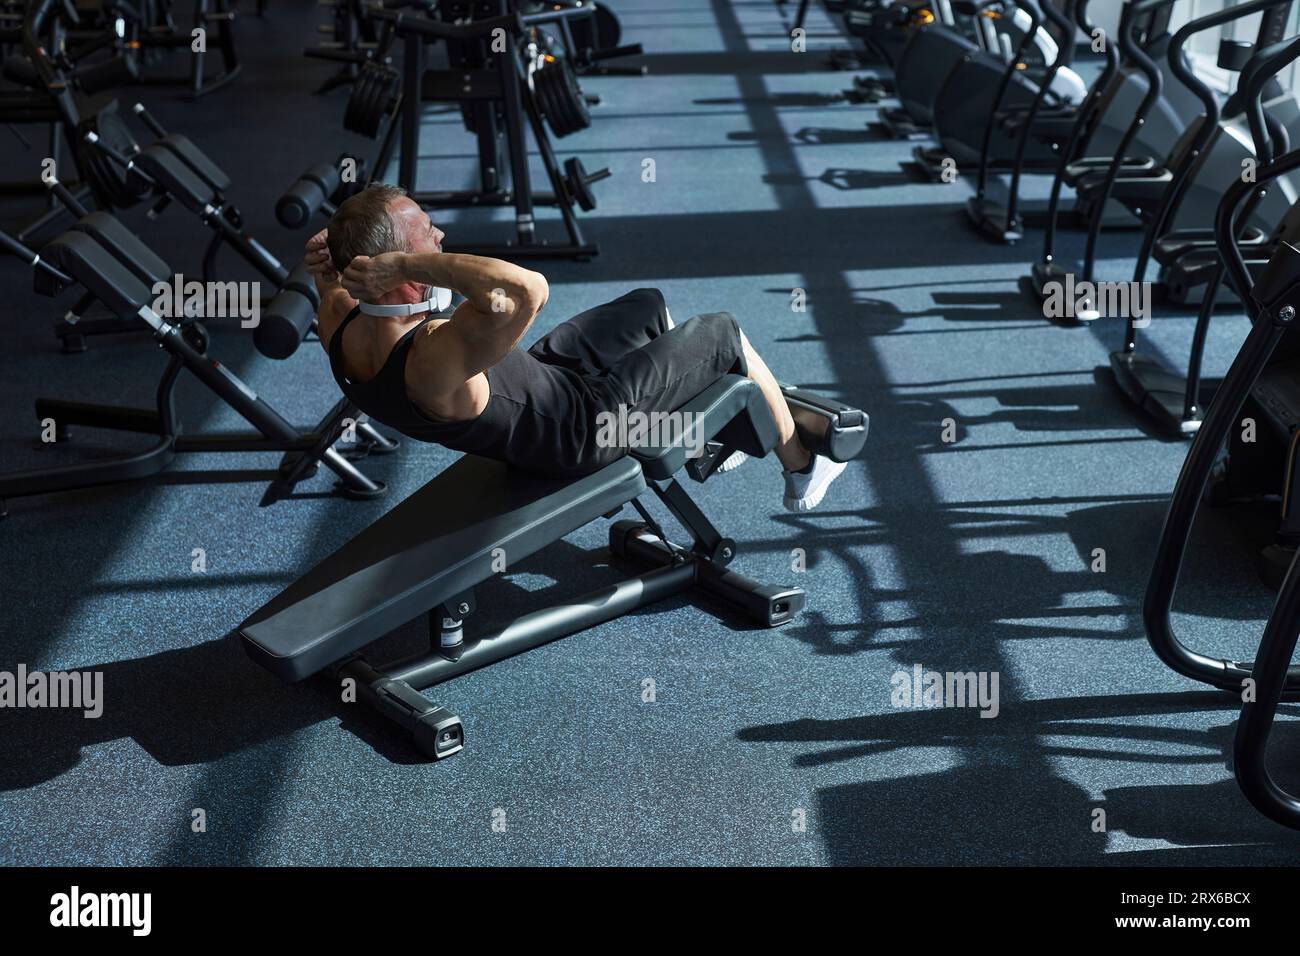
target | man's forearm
[{"x": 493, "y": 286}]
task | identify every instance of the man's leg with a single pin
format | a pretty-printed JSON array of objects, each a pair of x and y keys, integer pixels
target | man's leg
[
  {"x": 593, "y": 340},
  {"x": 678, "y": 365},
  {"x": 789, "y": 450},
  {"x": 806, "y": 476}
]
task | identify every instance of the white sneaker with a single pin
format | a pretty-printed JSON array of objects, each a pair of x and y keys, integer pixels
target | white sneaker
[{"x": 804, "y": 491}]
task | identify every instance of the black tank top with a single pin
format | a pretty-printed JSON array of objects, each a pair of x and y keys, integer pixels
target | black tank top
[{"x": 537, "y": 417}]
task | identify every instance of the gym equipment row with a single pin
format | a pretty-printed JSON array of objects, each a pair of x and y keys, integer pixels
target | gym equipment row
[
  {"x": 114, "y": 267},
  {"x": 1140, "y": 152}
]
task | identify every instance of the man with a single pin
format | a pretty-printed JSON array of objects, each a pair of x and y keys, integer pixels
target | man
[{"x": 457, "y": 378}]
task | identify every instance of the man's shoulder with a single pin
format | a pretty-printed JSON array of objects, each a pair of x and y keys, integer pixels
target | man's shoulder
[{"x": 335, "y": 305}]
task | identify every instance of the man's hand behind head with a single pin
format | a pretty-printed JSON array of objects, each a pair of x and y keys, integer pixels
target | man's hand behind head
[
  {"x": 369, "y": 278},
  {"x": 317, "y": 258}
]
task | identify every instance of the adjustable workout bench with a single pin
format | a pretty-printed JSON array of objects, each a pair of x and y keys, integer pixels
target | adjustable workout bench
[
  {"x": 115, "y": 267},
  {"x": 173, "y": 168},
  {"x": 429, "y": 553}
]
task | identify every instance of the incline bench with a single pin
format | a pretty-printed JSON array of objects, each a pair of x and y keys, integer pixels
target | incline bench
[{"x": 430, "y": 551}]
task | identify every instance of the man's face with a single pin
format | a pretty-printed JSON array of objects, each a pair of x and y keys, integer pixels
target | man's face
[{"x": 421, "y": 234}]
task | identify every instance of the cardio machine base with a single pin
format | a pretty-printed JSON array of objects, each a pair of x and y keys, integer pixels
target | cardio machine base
[
  {"x": 1047, "y": 279},
  {"x": 870, "y": 90},
  {"x": 1043, "y": 274},
  {"x": 1158, "y": 392},
  {"x": 897, "y": 123},
  {"x": 990, "y": 219}
]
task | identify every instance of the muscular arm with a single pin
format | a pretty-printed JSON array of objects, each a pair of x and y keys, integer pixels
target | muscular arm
[
  {"x": 445, "y": 366},
  {"x": 501, "y": 302}
]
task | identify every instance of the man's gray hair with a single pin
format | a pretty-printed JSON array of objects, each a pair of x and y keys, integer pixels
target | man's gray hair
[{"x": 363, "y": 225}]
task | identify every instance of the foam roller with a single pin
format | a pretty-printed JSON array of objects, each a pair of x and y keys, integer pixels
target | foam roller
[
  {"x": 284, "y": 324},
  {"x": 304, "y": 197}
]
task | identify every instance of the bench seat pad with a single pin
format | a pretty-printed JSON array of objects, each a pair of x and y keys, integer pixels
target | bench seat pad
[{"x": 431, "y": 547}]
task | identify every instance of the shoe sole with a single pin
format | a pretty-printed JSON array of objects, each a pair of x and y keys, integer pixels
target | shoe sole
[{"x": 815, "y": 493}]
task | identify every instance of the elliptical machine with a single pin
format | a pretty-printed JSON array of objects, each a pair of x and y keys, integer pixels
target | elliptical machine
[
  {"x": 1105, "y": 128},
  {"x": 980, "y": 81},
  {"x": 1271, "y": 347},
  {"x": 993, "y": 219},
  {"x": 885, "y": 28},
  {"x": 1275, "y": 299},
  {"x": 935, "y": 46},
  {"x": 1171, "y": 400},
  {"x": 1138, "y": 183}
]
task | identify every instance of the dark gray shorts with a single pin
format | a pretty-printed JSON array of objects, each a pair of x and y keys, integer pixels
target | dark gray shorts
[
  {"x": 626, "y": 355},
  {"x": 625, "y": 349}
]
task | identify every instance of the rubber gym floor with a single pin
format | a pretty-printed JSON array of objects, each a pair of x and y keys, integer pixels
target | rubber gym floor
[{"x": 975, "y": 554}]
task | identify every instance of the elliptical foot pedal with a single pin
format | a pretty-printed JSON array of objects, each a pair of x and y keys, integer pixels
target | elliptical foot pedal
[
  {"x": 1041, "y": 275},
  {"x": 897, "y": 123},
  {"x": 990, "y": 219},
  {"x": 930, "y": 160},
  {"x": 1156, "y": 390}
]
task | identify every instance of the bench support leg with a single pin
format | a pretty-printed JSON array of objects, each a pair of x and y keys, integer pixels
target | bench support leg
[
  {"x": 394, "y": 690},
  {"x": 437, "y": 733}
]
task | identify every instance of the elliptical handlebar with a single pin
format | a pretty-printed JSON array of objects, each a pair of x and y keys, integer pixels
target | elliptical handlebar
[{"x": 1185, "y": 502}]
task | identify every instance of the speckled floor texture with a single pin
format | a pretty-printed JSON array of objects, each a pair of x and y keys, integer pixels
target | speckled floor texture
[{"x": 761, "y": 746}]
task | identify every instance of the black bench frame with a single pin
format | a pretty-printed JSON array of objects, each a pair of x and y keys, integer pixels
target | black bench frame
[{"x": 394, "y": 690}]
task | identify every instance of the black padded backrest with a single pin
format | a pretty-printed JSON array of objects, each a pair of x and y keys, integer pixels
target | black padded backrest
[
  {"x": 125, "y": 246},
  {"x": 171, "y": 173},
  {"x": 103, "y": 276},
  {"x": 433, "y": 546},
  {"x": 733, "y": 411},
  {"x": 196, "y": 160}
]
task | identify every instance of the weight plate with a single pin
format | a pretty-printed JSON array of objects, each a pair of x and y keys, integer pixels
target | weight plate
[
  {"x": 575, "y": 177},
  {"x": 600, "y": 31},
  {"x": 608, "y": 30},
  {"x": 560, "y": 98},
  {"x": 373, "y": 92}
]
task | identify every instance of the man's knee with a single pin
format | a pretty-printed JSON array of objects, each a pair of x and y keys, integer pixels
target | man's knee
[
  {"x": 728, "y": 340},
  {"x": 652, "y": 301}
]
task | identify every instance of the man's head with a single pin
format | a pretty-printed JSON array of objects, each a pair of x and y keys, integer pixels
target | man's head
[{"x": 379, "y": 219}]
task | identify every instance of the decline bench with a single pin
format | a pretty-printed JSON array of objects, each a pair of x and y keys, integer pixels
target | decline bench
[
  {"x": 115, "y": 268},
  {"x": 429, "y": 553}
]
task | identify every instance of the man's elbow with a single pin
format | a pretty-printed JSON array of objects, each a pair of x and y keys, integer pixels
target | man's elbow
[
  {"x": 536, "y": 291},
  {"x": 519, "y": 298}
]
